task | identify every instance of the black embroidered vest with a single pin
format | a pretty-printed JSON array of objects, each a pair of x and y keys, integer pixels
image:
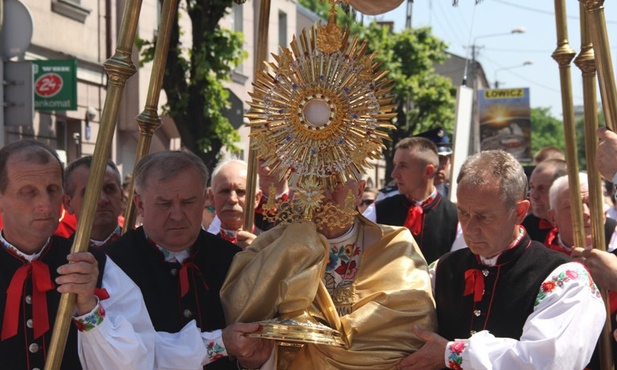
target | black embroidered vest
[
  {"x": 440, "y": 220},
  {"x": 159, "y": 281},
  {"x": 511, "y": 288}
]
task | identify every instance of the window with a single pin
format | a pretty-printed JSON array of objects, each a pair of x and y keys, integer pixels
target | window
[
  {"x": 282, "y": 29},
  {"x": 71, "y": 9},
  {"x": 238, "y": 26}
]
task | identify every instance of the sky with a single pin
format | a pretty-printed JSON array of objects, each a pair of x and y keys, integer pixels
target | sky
[{"x": 503, "y": 54}]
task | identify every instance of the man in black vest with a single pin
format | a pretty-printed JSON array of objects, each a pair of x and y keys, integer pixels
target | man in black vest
[
  {"x": 178, "y": 266},
  {"x": 430, "y": 217},
  {"x": 105, "y": 227},
  {"x": 34, "y": 271},
  {"x": 537, "y": 222},
  {"x": 507, "y": 302}
]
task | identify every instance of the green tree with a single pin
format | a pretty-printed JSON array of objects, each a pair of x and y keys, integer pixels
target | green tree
[
  {"x": 194, "y": 76},
  {"x": 423, "y": 99},
  {"x": 580, "y": 139},
  {"x": 546, "y": 130},
  {"x": 319, "y": 7}
]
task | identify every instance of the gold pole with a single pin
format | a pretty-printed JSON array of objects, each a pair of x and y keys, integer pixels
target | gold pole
[
  {"x": 119, "y": 68},
  {"x": 563, "y": 55},
  {"x": 253, "y": 163},
  {"x": 599, "y": 37},
  {"x": 149, "y": 120},
  {"x": 585, "y": 61}
]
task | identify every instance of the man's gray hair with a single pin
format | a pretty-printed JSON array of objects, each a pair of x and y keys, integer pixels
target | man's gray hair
[
  {"x": 496, "y": 166},
  {"x": 562, "y": 183},
  {"x": 168, "y": 164},
  {"x": 240, "y": 162}
]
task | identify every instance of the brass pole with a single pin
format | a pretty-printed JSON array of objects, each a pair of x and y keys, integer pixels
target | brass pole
[
  {"x": 563, "y": 55},
  {"x": 119, "y": 68},
  {"x": 585, "y": 61},
  {"x": 253, "y": 163},
  {"x": 149, "y": 120},
  {"x": 599, "y": 37}
]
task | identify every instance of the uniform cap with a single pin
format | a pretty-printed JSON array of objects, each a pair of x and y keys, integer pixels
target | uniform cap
[{"x": 440, "y": 137}]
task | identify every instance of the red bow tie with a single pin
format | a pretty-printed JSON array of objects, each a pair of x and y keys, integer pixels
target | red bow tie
[
  {"x": 474, "y": 284},
  {"x": 41, "y": 283}
]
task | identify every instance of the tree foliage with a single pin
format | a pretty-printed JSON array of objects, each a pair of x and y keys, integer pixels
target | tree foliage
[
  {"x": 423, "y": 99},
  {"x": 546, "y": 130},
  {"x": 319, "y": 7},
  {"x": 194, "y": 76}
]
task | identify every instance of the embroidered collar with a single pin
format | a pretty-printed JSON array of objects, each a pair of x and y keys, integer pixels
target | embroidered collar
[
  {"x": 112, "y": 237},
  {"x": 170, "y": 256},
  {"x": 174, "y": 256},
  {"x": 13, "y": 249},
  {"x": 229, "y": 234},
  {"x": 426, "y": 201}
]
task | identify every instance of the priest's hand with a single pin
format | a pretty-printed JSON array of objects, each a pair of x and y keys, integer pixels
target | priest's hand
[
  {"x": 244, "y": 239},
  {"x": 430, "y": 356},
  {"x": 607, "y": 150},
  {"x": 79, "y": 276},
  {"x": 250, "y": 352},
  {"x": 602, "y": 266}
]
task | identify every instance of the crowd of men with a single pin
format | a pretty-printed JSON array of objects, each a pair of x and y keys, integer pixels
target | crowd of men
[{"x": 167, "y": 294}]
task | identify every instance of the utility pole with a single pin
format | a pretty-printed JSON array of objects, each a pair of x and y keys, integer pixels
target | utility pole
[{"x": 408, "y": 17}]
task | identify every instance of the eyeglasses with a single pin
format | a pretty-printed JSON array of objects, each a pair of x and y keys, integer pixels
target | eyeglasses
[{"x": 367, "y": 202}]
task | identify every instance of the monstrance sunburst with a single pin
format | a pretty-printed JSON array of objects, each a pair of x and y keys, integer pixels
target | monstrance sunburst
[{"x": 320, "y": 111}]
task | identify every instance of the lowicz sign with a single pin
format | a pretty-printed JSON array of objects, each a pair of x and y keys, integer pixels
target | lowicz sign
[{"x": 55, "y": 84}]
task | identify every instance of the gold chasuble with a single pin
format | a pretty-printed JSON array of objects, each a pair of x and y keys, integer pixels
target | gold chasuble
[{"x": 280, "y": 273}]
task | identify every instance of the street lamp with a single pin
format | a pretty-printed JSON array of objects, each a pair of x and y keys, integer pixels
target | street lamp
[
  {"x": 525, "y": 63},
  {"x": 474, "y": 52}
]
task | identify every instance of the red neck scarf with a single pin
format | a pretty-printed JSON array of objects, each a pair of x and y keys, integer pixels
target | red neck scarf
[{"x": 415, "y": 216}]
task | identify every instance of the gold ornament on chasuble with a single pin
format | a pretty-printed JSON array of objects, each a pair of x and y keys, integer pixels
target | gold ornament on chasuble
[{"x": 319, "y": 113}]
